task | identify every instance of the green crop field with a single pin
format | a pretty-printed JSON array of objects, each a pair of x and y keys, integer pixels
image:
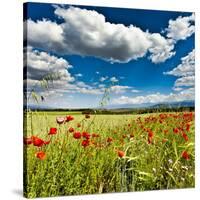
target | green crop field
[{"x": 87, "y": 154}]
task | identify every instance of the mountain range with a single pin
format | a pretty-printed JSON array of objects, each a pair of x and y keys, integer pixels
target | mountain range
[{"x": 124, "y": 106}]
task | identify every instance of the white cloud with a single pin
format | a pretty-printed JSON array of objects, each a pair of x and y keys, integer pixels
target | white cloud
[
  {"x": 185, "y": 95},
  {"x": 185, "y": 81},
  {"x": 95, "y": 83},
  {"x": 185, "y": 72},
  {"x": 45, "y": 34},
  {"x": 78, "y": 75},
  {"x": 135, "y": 91},
  {"x": 181, "y": 28},
  {"x": 186, "y": 68},
  {"x": 90, "y": 34},
  {"x": 184, "y": 85},
  {"x": 94, "y": 91},
  {"x": 102, "y": 79},
  {"x": 114, "y": 79},
  {"x": 161, "y": 49},
  {"x": 86, "y": 32},
  {"x": 117, "y": 89},
  {"x": 102, "y": 85},
  {"x": 39, "y": 65},
  {"x": 81, "y": 87},
  {"x": 177, "y": 89}
]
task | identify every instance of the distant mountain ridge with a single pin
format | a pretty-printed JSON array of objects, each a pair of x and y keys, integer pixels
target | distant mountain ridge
[
  {"x": 153, "y": 105},
  {"x": 124, "y": 106},
  {"x": 175, "y": 104}
]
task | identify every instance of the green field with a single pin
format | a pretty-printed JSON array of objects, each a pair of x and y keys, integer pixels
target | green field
[{"x": 126, "y": 153}]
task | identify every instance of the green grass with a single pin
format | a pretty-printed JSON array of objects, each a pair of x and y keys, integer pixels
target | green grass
[{"x": 70, "y": 169}]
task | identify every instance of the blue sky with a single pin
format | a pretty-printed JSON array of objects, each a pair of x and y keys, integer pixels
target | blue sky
[{"x": 142, "y": 56}]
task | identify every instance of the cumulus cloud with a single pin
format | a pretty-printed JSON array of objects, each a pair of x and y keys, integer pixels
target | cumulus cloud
[
  {"x": 79, "y": 75},
  {"x": 94, "y": 91},
  {"x": 135, "y": 91},
  {"x": 181, "y": 28},
  {"x": 161, "y": 49},
  {"x": 185, "y": 72},
  {"x": 120, "y": 89},
  {"x": 177, "y": 88},
  {"x": 102, "y": 85},
  {"x": 185, "y": 81},
  {"x": 186, "y": 68},
  {"x": 117, "y": 89},
  {"x": 183, "y": 86},
  {"x": 83, "y": 88},
  {"x": 185, "y": 95},
  {"x": 102, "y": 79},
  {"x": 38, "y": 65},
  {"x": 114, "y": 79},
  {"x": 87, "y": 33},
  {"x": 44, "y": 34}
]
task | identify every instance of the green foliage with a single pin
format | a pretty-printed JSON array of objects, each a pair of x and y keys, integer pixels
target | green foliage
[{"x": 35, "y": 96}]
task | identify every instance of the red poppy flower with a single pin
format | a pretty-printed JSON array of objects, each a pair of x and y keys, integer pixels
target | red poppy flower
[
  {"x": 71, "y": 130},
  {"x": 185, "y": 136},
  {"x": 86, "y": 135},
  {"x": 37, "y": 141},
  {"x": 150, "y": 134},
  {"x": 120, "y": 153},
  {"x": 185, "y": 155},
  {"x": 87, "y": 116},
  {"x": 188, "y": 115},
  {"x": 28, "y": 141},
  {"x": 109, "y": 139},
  {"x": 60, "y": 120},
  {"x": 77, "y": 135},
  {"x": 52, "y": 131},
  {"x": 149, "y": 140},
  {"x": 47, "y": 142},
  {"x": 40, "y": 155},
  {"x": 188, "y": 127},
  {"x": 175, "y": 130},
  {"x": 68, "y": 118},
  {"x": 85, "y": 143}
]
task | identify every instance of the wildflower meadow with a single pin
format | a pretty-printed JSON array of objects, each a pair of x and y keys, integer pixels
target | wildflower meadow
[{"x": 74, "y": 153}]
